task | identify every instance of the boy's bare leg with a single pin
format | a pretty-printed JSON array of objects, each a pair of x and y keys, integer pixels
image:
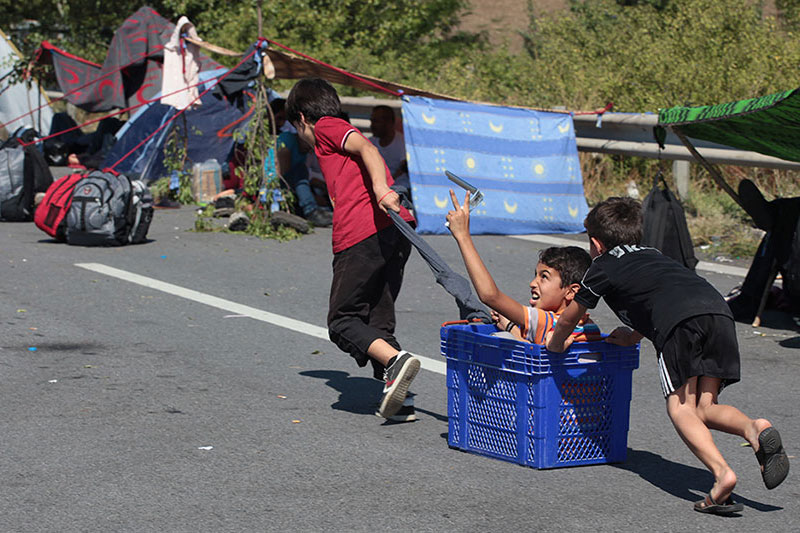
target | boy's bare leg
[
  {"x": 726, "y": 417},
  {"x": 381, "y": 351},
  {"x": 682, "y": 407}
]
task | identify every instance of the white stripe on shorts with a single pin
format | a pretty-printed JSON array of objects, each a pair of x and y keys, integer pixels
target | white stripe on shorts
[{"x": 666, "y": 382}]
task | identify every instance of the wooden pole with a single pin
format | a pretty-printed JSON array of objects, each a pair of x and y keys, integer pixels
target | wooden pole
[
  {"x": 260, "y": 25},
  {"x": 715, "y": 174}
]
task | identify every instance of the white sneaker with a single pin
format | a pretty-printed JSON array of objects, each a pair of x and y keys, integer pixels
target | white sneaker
[
  {"x": 406, "y": 412},
  {"x": 397, "y": 378}
]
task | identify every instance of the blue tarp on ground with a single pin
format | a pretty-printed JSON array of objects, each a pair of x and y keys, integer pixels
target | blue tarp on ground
[{"x": 525, "y": 162}]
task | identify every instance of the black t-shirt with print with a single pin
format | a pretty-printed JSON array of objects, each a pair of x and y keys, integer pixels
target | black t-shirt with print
[{"x": 648, "y": 291}]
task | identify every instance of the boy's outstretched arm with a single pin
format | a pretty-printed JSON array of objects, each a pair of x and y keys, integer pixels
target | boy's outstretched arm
[
  {"x": 482, "y": 280},
  {"x": 376, "y": 168},
  {"x": 560, "y": 337}
]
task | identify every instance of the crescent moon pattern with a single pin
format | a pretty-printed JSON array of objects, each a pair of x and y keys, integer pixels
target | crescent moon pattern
[
  {"x": 429, "y": 120},
  {"x": 441, "y": 204},
  {"x": 510, "y": 208},
  {"x": 564, "y": 128},
  {"x": 140, "y": 93},
  {"x": 74, "y": 78},
  {"x": 573, "y": 211},
  {"x": 496, "y": 129}
]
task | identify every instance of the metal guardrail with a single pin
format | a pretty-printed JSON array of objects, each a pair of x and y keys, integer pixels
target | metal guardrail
[{"x": 632, "y": 135}]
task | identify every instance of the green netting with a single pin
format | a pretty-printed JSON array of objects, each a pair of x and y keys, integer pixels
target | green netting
[{"x": 769, "y": 124}]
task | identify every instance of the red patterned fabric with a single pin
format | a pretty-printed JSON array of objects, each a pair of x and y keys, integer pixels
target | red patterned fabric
[{"x": 131, "y": 72}]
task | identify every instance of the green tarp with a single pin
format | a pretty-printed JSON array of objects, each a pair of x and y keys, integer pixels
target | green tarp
[{"x": 769, "y": 125}]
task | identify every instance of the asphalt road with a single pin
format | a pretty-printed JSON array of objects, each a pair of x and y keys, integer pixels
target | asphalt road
[{"x": 128, "y": 408}]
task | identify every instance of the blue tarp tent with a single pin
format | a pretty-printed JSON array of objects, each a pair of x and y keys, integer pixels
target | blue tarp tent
[{"x": 210, "y": 134}]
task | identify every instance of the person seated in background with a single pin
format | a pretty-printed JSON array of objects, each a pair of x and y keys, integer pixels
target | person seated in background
[
  {"x": 390, "y": 143},
  {"x": 778, "y": 253},
  {"x": 317, "y": 179},
  {"x": 291, "y": 158},
  {"x": 77, "y": 149}
]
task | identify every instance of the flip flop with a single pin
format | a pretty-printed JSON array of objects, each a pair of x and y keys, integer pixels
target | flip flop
[
  {"x": 709, "y": 506},
  {"x": 772, "y": 457}
]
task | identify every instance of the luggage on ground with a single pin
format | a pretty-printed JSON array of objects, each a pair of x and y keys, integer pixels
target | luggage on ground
[
  {"x": 108, "y": 209},
  {"x": 23, "y": 173},
  {"x": 97, "y": 208},
  {"x": 50, "y": 214}
]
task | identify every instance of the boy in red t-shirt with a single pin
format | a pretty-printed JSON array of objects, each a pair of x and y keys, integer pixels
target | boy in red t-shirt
[
  {"x": 369, "y": 253},
  {"x": 556, "y": 282}
]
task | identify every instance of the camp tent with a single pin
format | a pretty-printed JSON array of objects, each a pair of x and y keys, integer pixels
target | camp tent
[
  {"x": 769, "y": 124},
  {"x": 210, "y": 134},
  {"x": 17, "y": 99},
  {"x": 131, "y": 72}
]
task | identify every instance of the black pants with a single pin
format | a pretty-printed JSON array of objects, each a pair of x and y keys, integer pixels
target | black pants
[{"x": 366, "y": 281}]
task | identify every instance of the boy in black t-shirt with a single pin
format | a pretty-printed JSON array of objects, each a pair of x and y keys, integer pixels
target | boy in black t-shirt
[{"x": 694, "y": 335}]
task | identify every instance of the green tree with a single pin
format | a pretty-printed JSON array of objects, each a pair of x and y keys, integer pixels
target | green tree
[
  {"x": 641, "y": 57},
  {"x": 789, "y": 12}
]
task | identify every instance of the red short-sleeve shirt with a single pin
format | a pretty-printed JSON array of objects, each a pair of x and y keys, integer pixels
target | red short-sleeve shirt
[{"x": 356, "y": 214}]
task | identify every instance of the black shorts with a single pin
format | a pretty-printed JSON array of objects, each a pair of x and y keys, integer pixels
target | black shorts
[{"x": 703, "y": 345}]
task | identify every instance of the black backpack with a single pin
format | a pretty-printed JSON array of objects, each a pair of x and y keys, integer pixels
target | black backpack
[
  {"x": 665, "y": 224},
  {"x": 23, "y": 173},
  {"x": 108, "y": 209}
]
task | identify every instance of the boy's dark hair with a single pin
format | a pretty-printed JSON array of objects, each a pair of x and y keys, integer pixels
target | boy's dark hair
[
  {"x": 570, "y": 261},
  {"x": 278, "y": 105},
  {"x": 314, "y": 98},
  {"x": 614, "y": 221}
]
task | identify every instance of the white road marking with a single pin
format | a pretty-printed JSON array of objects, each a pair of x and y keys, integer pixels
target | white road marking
[
  {"x": 560, "y": 241},
  {"x": 299, "y": 326}
]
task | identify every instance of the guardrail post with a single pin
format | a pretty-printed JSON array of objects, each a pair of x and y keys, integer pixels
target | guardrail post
[{"x": 680, "y": 171}]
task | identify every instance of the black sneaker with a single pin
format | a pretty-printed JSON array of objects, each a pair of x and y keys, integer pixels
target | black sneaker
[
  {"x": 406, "y": 412},
  {"x": 397, "y": 378},
  {"x": 320, "y": 218}
]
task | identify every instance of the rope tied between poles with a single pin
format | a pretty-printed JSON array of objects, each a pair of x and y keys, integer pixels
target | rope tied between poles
[
  {"x": 76, "y": 89},
  {"x": 340, "y": 71},
  {"x": 112, "y": 114}
]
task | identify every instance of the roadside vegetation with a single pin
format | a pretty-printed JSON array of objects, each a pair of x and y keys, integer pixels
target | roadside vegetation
[{"x": 639, "y": 54}]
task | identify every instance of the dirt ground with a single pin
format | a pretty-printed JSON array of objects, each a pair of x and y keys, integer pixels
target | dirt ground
[{"x": 504, "y": 19}]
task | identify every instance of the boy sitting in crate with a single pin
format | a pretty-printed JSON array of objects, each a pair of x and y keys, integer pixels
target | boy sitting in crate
[
  {"x": 694, "y": 335},
  {"x": 555, "y": 283}
]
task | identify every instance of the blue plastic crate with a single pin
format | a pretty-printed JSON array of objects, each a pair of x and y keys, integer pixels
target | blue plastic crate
[{"x": 518, "y": 402}]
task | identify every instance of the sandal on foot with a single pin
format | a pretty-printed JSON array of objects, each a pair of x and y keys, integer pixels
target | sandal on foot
[
  {"x": 772, "y": 457},
  {"x": 708, "y": 505}
]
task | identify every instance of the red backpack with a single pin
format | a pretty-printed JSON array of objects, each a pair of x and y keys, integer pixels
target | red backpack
[{"x": 51, "y": 212}]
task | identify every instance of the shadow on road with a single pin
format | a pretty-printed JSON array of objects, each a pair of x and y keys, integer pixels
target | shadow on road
[
  {"x": 682, "y": 481},
  {"x": 356, "y": 395},
  {"x": 794, "y": 342}
]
